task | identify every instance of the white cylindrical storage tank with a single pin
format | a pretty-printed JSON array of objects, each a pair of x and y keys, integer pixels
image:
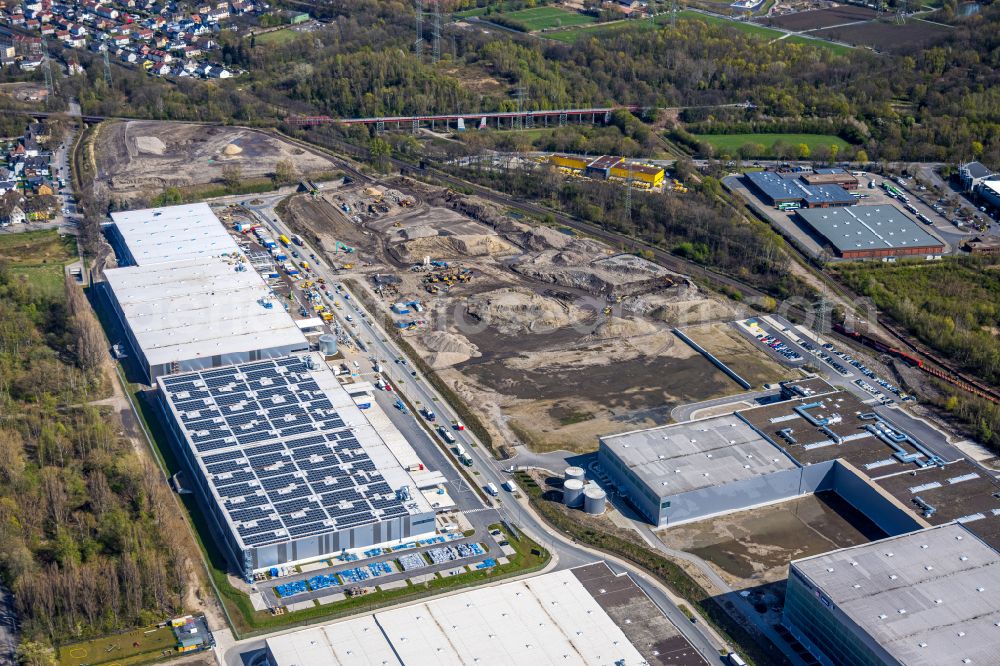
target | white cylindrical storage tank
[
  {"x": 574, "y": 473},
  {"x": 595, "y": 500},
  {"x": 328, "y": 344},
  {"x": 572, "y": 492}
]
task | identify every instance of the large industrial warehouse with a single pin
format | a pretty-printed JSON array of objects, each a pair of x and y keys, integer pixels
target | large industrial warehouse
[
  {"x": 942, "y": 516},
  {"x": 871, "y": 232},
  {"x": 290, "y": 468},
  {"x": 828, "y": 442},
  {"x": 191, "y": 301},
  {"x": 174, "y": 233},
  {"x": 777, "y": 189},
  {"x": 929, "y": 597},
  {"x": 675, "y": 473},
  {"x": 587, "y": 615}
]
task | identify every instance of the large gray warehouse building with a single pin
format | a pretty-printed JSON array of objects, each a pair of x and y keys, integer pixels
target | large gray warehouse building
[
  {"x": 930, "y": 597},
  {"x": 190, "y": 301},
  {"x": 871, "y": 232},
  {"x": 691, "y": 470},
  {"x": 822, "y": 442},
  {"x": 288, "y": 466}
]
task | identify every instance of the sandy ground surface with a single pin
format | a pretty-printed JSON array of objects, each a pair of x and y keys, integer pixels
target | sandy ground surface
[
  {"x": 555, "y": 338},
  {"x": 141, "y": 159},
  {"x": 724, "y": 342},
  {"x": 752, "y": 548},
  {"x": 24, "y": 91}
]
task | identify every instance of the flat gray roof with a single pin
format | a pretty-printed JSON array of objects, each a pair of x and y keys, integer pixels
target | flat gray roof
[
  {"x": 200, "y": 308},
  {"x": 687, "y": 456},
  {"x": 857, "y": 228},
  {"x": 928, "y": 597},
  {"x": 173, "y": 233}
]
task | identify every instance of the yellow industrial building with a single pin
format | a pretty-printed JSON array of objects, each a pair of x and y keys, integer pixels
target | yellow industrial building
[
  {"x": 611, "y": 167},
  {"x": 647, "y": 174},
  {"x": 570, "y": 162}
]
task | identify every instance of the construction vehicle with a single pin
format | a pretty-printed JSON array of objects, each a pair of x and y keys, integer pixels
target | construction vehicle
[
  {"x": 347, "y": 267},
  {"x": 338, "y": 246},
  {"x": 326, "y": 316}
]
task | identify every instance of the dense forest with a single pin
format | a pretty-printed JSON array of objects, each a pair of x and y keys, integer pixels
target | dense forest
[
  {"x": 84, "y": 521},
  {"x": 952, "y": 305}
]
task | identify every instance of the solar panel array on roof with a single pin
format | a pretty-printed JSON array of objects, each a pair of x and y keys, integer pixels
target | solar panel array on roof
[{"x": 276, "y": 452}]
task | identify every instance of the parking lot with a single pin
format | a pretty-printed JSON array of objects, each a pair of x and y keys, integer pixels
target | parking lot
[
  {"x": 849, "y": 371},
  {"x": 773, "y": 342},
  {"x": 403, "y": 565}
]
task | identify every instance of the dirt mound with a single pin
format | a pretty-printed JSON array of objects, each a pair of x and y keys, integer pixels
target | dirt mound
[
  {"x": 537, "y": 238},
  {"x": 586, "y": 264},
  {"x": 513, "y": 310},
  {"x": 452, "y": 247},
  {"x": 448, "y": 349},
  {"x": 231, "y": 150},
  {"x": 621, "y": 328},
  {"x": 151, "y": 145},
  {"x": 414, "y": 233}
]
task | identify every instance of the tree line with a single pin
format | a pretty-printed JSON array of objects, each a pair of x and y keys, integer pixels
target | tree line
[{"x": 85, "y": 523}]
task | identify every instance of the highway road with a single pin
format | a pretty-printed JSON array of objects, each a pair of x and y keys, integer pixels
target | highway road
[{"x": 418, "y": 391}]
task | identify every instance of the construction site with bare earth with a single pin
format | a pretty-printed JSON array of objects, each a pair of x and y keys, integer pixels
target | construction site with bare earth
[
  {"x": 556, "y": 338},
  {"x": 137, "y": 160}
]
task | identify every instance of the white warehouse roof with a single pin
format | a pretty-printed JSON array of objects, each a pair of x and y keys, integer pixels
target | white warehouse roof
[
  {"x": 173, "y": 233},
  {"x": 200, "y": 308},
  {"x": 548, "y": 619}
]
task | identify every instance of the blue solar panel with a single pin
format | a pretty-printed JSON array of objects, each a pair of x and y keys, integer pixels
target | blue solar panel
[
  {"x": 213, "y": 445},
  {"x": 221, "y": 457},
  {"x": 223, "y": 467},
  {"x": 312, "y": 454},
  {"x": 240, "y": 476},
  {"x": 237, "y": 490},
  {"x": 250, "y": 500}
]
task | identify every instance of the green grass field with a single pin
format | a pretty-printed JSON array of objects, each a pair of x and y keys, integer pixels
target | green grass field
[
  {"x": 278, "y": 37},
  {"x": 742, "y": 26},
  {"x": 466, "y": 13},
  {"x": 39, "y": 256},
  {"x": 839, "y": 49},
  {"x": 730, "y": 143},
  {"x": 543, "y": 18},
  {"x": 138, "y": 646},
  {"x": 574, "y": 33}
]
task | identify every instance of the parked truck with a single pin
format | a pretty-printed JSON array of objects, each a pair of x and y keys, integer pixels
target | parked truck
[
  {"x": 285, "y": 240},
  {"x": 297, "y": 241}
]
